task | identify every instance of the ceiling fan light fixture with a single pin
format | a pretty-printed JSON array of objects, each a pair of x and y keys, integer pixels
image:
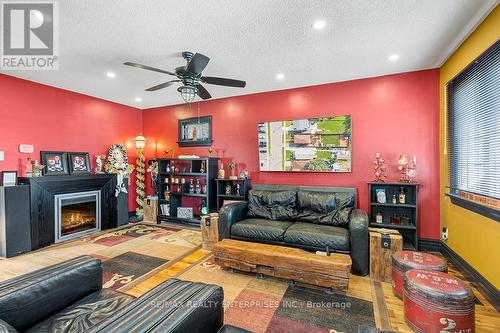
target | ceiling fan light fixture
[{"x": 188, "y": 93}]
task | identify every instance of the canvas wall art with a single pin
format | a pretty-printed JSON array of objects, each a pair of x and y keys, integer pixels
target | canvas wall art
[{"x": 306, "y": 145}]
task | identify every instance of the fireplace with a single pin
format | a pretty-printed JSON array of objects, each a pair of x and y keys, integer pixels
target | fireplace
[{"x": 77, "y": 214}]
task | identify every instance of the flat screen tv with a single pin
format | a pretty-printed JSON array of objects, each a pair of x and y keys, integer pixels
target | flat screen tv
[{"x": 306, "y": 145}]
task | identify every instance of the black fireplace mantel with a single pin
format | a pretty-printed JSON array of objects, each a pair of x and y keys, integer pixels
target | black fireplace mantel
[{"x": 43, "y": 190}]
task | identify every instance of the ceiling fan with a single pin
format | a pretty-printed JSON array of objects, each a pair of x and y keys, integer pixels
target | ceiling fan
[{"x": 190, "y": 77}]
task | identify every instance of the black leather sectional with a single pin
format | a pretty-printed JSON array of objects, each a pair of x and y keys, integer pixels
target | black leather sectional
[
  {"x": 67, "y": 298},
  {"x": 313, "y": 218}
]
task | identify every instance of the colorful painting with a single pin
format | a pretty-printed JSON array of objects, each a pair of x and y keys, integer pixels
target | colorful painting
[{"x": 306, "y": 145}]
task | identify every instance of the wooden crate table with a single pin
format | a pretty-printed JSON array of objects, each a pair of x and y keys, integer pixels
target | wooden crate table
[
  {"x": 383, "y": 244},
  {"x": 210, "y": 230},
  {"x": 285, "y": 262}
]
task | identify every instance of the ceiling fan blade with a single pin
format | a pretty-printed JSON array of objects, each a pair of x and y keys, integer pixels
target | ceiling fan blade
[
  {"x": 163, "y": 85},
  {"x": 149, "y": 68},
  {"x": 198, "y": 63},
  {"x": 202, "y": 92},
  {"x": 223, "y": 81}
]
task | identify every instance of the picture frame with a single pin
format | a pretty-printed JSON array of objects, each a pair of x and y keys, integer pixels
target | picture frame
[
  {"x": 55, "y": 162},
  {"x": 79, "y": 163},
  {"x": 195, "y": 132},
  {"x": 185, "y": 212},
  {"x": 8, "y": 178}
]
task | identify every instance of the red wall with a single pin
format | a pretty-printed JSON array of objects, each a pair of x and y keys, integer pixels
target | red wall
[
  {"x": 56, "y": 119},
  {"x": 391, "y": 114}
]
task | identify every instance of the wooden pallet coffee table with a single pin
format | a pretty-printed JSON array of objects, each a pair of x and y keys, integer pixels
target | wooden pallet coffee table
[{"x": 285, "y": 262}]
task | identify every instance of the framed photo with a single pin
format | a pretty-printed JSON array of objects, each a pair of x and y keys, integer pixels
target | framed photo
[
  {"x": 56, "y": 162},
  {"x": 79, "y": 163},
  {"x": 185, "y": 212},
  {"x": 9, "y": 178},
  {"x": 195, "y": 132}
]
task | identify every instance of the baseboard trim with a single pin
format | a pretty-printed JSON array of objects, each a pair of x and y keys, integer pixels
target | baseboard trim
[
  {"x": 430, "y": 245},
  {"x": 489, "y": 291}
]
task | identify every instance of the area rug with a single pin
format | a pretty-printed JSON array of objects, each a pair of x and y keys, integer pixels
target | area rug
[
  {"x": 129, "y": 254},
  {"x": 270, "y": 305}
]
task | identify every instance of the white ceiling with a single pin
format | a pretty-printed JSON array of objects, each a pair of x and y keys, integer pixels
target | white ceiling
[{"x": 251, "y": 40}]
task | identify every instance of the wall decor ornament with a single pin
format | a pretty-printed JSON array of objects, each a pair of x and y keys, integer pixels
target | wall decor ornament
[
  {"x": 195, "y": 132},
  {"x": 153, "y": 170},
  {"x": 407, "y": 169},
  {"x": 117, "y": 163},
  {"x": 312, "y": 145},
  {"x": 99, "y": 164},
  {"x": 37, "y": 169},
  {"x": 380, "y": 169},
  {"x": 56, "y": 162}
]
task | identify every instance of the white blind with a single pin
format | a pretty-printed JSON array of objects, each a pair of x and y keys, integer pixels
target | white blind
[{"x": 474, "y": 126}]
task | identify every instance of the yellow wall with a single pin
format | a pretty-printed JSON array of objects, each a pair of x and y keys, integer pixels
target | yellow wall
[{"x": 474, "y": 237}]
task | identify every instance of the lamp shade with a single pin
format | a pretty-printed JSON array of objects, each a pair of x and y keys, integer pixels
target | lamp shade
[
  {"x": 140, "y": 142},
  {"x": 188, "y": 93}
]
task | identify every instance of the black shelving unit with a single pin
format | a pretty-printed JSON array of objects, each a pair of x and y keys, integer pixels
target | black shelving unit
[
  {"x": 174, "y": 178},
  {"x": 389, "y": 209},
  {"x": 245, "y": 185}
]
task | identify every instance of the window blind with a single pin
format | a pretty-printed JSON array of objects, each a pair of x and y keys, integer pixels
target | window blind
[{"x": 473, "y": 99}]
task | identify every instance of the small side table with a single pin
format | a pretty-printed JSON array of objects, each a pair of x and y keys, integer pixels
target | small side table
[
  {"x": 383, "y": 244},
  {"x": 210, "y": 230}
]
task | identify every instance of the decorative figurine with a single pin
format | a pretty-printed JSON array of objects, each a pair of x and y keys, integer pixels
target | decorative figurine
[
  {"x": 380, "y": 170},
  {"x": 238, "y": 190},
  {"x": 37, "y": 169},
  {"x": 232, "y": 166},
  {"x": 99, "y": 164},
  {"x": 407, "y": 169},
  {"x": 118, "y": 164},
  {"x": 153, "y": 169},
  {"x": 203, "y": 207},
  {"x": 228, "y": 189},
  {"x": 202, "y": 167},
  {"x": 221, "y": 173}
]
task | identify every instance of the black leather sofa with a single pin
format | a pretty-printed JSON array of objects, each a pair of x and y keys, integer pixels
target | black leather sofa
[
  {"x": 67, "y": 298},
  {"x": 308, "y": 217}
]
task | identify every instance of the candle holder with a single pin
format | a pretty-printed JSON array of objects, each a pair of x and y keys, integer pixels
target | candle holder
[
  {"x": 406, "y": 168},
  {"x": 380, "y": 170}
]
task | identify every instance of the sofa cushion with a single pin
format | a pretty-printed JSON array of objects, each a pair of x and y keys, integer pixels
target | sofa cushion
[
  {"x": 260, "y": 229},
  {"x": 317, "y": 235},
  {"x": 85, "y": 313},
  {"x": 273, "y": 205},
  {"x": 325, "y": 207}
]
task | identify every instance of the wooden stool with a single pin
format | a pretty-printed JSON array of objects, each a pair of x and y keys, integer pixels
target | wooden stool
[
  {"x": 383, "y": 244},
  {"x": 437, "y": 302},
  {"x": 403, "y": 261},
  {"x": 210, "y": 230}
]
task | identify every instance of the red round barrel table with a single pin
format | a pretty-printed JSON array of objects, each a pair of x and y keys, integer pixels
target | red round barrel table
[
  {"x": 437, "y": 302},
  {"x": 403, "y": 261}
]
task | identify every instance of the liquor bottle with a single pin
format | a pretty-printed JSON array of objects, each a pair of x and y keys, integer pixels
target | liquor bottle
[
  {"x": 402, "y": 195},
  {"x": 198, "y": 186},
  {"x": 394, "y": 199},
  {"x": 168, "y": 168},
  {"x": 191, "y": 186},
  {"x": 379, "y": 217}
]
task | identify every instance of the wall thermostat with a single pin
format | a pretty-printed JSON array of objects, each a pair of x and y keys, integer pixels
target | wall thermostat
[{"x": 27, "y": 149}]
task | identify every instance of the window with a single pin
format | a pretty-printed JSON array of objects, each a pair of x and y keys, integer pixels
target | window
[{"x": 474, "y": 134}]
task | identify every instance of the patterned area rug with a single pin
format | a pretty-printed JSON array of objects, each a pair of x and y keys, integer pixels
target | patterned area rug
[
  {"x": 270, "y": 305},
  {"x": 128, "y": 253}
]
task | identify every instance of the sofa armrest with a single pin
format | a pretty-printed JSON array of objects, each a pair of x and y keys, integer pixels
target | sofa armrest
[
  {"x": 358, "y": 229},
  {"x": 230, "y": 214},
  {"x": 30, "y": 298},
  {"x": 174, "y": 306},
  {"x": 6, "y": 328}
]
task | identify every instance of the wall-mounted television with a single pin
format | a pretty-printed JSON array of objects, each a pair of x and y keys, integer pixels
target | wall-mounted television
[{"x": 306, "y": 145}]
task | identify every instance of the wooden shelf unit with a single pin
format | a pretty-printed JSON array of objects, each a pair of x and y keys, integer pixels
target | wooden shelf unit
[
  {"x": 176, "y": 193},
  {"x": 388, "y": 209},
  {"x": 245, "y": 185}
]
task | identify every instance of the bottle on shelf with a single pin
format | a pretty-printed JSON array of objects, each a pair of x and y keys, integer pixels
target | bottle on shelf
[
  {"x": 402, "y": 195},
  {"x": 168, "y": 168},
  {"x": 202, "y": 167},
  {"x": 394, "y": 199},
  {"x": 395, "y": 219},
  {"x": 379, "y": 217},
  {"x": 191, "y": 186},
  {"x": 198, "y": 186}
]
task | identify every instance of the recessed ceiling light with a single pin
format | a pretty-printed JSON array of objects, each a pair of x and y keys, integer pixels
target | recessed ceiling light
[
  {"x": 280, "y": 76},
  {"x": 393, "y": 57},
  {"x": 318, "y": 25},
  {"x": 111, "y": 75},
  {"x": 138, "y": 99}
]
